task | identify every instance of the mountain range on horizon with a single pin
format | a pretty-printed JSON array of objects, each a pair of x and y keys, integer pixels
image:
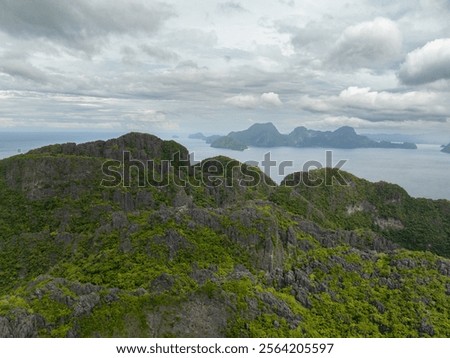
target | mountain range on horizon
[
  {"x": 267, "y": 135},
  {"x": 446, "y": 148}
]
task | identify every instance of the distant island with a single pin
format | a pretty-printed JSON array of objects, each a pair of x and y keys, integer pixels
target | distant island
[
  {"x": 207, "y": 139},
  {"x": 446, "y": 148},
  {"x": 267, "y": 135},
  {"x": 229, "y": 143}
]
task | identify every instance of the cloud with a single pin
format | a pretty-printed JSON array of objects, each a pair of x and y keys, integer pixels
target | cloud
[
  {"x": 271, "y": 98},
  {"x": 22, "y": 69},
  {"x": 146, "y": 118},
  {"x": 378, "y": 106},
  {"x": 231, "y": 7},
  {"x": 67, "y": 112},
  {"x": 213, "y": 66},
  {"x": 418, "y": 127},
  {"x": 290, "y": 3},
  {"x": 84, "y": 25},
  {"x": 160, "y": 54},
  {"x": 313, "y": 35},
  {"x": 427, "y": 64},
  {"x": 243, "y": 101},
  {"x": 368, "y": 44},
  {"x": 252, "y": 101}
]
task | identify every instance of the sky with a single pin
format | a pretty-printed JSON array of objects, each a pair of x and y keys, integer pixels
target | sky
[{"x": 215, "y": 66}]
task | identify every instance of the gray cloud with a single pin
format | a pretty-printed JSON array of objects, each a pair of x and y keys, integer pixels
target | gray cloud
[
  {"x": 427, "y": 64},
  {"x": 381, "y": 106},
  {"x": 24, "y": 70},
  {"x": 82, "y": 24},
  {"x": 130, "y": 63},
  {"x": 231, "y": 7},
  {"x": 312, "y": 35},
  {"x": 369, "y": 44},
  {"x": 159, "y": 53},
  {"x": 290, "y": 3}
]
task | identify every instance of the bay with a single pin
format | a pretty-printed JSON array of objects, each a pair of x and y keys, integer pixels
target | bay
[{"x": 424, "y": 172}]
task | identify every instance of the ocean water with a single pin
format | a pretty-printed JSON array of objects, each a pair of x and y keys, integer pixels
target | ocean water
[{"x": 424, "y": 172}]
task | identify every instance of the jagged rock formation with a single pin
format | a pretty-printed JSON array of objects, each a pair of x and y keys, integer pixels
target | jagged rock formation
[
  {"x": 216, "y": 250},
  {"x": 141, "y": 146}
]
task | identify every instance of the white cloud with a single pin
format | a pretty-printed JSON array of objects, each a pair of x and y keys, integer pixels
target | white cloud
[
  {"x": 243, "y": 101},
  {"x": 252, "y": 101},
  {"x": 427, "y": 64},
  {"x": 376, "y": 105},
  {"x": 417, "y": 127},
  {"x": 67, "y": 111},
  {"x": 290, "y": 3},
  {"x": 368, "y": 44},
  {"x": 271, "y": 98}
]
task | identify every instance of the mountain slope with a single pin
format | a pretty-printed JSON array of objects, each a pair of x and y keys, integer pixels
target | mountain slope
[
  {"x": 229, "y": 143},
  {"x": 418, "y": 224},
  {"x": 218, "y": 251}
]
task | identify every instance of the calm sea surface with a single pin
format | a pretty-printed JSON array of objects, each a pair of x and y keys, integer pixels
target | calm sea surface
[{"x": 424, "y": 172}]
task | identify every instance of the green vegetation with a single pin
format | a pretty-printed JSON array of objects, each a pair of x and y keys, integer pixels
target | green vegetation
[
  {"x": 416, "y": 224},
  {"x": 221, "y": 258}
]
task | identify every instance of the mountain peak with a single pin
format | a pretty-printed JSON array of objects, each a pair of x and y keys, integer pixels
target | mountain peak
[
  {"x": 345, "y": 130},
  {"x": 259, "y": 135},
  {"x": 263, "y": 126},
  {"x": 141, "y": 145}
]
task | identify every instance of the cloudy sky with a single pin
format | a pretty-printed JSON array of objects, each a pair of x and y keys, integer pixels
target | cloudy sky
[{"x": 182, "y": 66}]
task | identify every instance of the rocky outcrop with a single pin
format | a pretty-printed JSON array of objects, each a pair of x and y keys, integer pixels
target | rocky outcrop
[{"x": 141, "y": 146}]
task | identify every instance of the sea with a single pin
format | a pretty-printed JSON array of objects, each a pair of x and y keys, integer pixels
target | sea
[{"x": 424, "y": 172}]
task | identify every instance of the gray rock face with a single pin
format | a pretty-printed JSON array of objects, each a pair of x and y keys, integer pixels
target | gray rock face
[
  {"x": 280, "y": 308},
  {"x": 162, "y": 283},
  {"x": 426, "y": 328},
  {"x": 5, "y": 329},
  {"x": 81, "y": 301},
  {"x": 85, "y": 304},
  {"x": 141, "y": 145},
  {"x": 198, "y": 317},
  {"x": 174, "y": 242},
  {"x": 21, "y": 326},
  {"x": 119, "y": 220},
  {"x": 44, "y": 177}
]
